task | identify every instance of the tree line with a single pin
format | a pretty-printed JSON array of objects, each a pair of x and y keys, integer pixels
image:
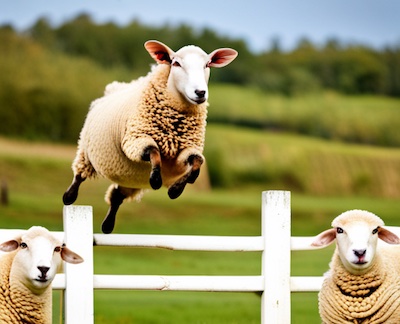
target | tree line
[
  {"x": 352, "y": 68},
  {"x": 50, "y": 74}
]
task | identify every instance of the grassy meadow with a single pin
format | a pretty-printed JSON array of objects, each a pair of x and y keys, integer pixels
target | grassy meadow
[
  {"x": 38, "y": 173},
  {"x": 326, "y": 114}
]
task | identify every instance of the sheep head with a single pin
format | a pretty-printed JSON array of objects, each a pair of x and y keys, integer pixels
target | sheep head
[
  {"x": 356, "y": 233},
  {"x": 190, "y": 68},
  {"x": 38, "y": 256}
]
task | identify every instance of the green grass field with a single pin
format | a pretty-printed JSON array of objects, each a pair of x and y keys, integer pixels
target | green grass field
[
  {"x": 38, "y": 174},
  {"x": 363, "y": 119}
]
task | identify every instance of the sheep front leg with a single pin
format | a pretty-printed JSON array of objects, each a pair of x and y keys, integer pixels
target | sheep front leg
[
  {"x": 145, "y": 149},
  {"x": 152, "y": 154},
  {"x": 195, "y": 161}
]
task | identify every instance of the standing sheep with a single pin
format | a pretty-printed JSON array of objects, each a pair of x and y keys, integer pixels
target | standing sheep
[
  {"x": 363, "y": 283},
  {"x": 26, "y": 273},
  {"x": 149, "y": 132}
]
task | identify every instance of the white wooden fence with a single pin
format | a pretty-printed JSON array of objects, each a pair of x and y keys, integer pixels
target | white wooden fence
[{"x": 274, "y": 281}]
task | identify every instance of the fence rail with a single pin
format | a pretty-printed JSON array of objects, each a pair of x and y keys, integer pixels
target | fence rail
[{"x": 274, "y": 282}]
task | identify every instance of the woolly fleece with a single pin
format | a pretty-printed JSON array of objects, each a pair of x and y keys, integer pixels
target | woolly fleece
[
  {"x": 373, "y": 297},
  {"x": 132, "y": 116},
  {"x": 357, "y": 215},
  {"x": 17, "y": 303}
]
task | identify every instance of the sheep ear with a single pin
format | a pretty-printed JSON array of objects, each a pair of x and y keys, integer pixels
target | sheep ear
[
  {"x": 388, "y": 236},
  {"x": 160, "y": 52},
  {"x": 325, "y": 238},
  {"x": 221, "y": 57},
  {"x": 9, "y": 246},
  {"x": 69, "y": 256}
]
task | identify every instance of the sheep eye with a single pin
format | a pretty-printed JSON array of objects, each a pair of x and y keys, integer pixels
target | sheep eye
[
  {"x": 339, "y": 230},
  {"x": 57, "y": 249},
  {"x": 23, "y": 245},
  {"x": 374, "y": 231},
  {"x": 176, "y": 63}
]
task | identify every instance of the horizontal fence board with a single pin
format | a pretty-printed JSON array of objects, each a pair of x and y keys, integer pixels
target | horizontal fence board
[
  {"x": 202, "y": 283},
  {"x": 59, "y": 281},
  {"x": 302, "y": 243},
  {"x": 180, "y": 283},
  {"x": 183, "y": 242},
  {"x": 306, "y": 284}
]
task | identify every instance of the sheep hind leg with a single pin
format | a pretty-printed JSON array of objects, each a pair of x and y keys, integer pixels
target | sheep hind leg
[
  {"x": 115, "y": 197},
  {"x": 177, "y": 188},
  {"x": 71, "y": 194}
]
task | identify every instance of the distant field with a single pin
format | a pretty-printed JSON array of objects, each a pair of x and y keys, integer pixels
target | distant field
[
  {"x": 38, "y": 174},
  {"x": 237, "y": 156},
  {"x": 361, "y": 119}
]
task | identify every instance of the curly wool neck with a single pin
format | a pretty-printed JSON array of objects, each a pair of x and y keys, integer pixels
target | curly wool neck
[
  {"x": 172, "y": 122},
  {"x": 369, "y": 298},
  {"x": 17, "y": 304}
]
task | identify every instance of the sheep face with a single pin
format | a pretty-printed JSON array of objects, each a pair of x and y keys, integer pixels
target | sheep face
[
  {"x": 356, "y": 234},
  {"x": 189, "y": 75},
  {"x": 356, "y": 244},
  {"x": 38, "y": 258},
  {"x": 190, "y": 68}
]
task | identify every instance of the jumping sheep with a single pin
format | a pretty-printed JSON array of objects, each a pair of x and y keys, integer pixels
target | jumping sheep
[
  {"x": 26, "y": 273},
  {"x": 363, "y": 283},
  {"x": 149, "y": 132}
]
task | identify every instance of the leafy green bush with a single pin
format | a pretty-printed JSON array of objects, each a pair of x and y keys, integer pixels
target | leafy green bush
[{"x": 44, "y": 94}]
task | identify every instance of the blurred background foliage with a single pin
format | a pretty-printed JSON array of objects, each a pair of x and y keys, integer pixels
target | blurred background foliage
[
  {"x": 53, "y": 73},
  {"x": 336, "y": 92}
]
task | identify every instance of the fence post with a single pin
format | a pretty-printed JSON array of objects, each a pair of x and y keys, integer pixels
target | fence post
[
  {"x": 275, "y": 301},
  {"x": 78, "y": 235}
]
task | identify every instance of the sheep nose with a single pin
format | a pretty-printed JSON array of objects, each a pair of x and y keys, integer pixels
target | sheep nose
[
  {"x": 359, "y": 253},
  {"x": 43, "y": 270},
  {"x": 200, "y": 93}
]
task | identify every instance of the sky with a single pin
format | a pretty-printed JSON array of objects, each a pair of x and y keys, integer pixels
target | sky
[{"x": 374, "y": 23}]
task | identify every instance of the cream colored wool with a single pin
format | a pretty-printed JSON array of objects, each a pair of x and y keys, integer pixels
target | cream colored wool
[
  {"x": 17, "y": 303},
  {"x": 131, "y": 117},
  {"x": 370, "y": 298}
]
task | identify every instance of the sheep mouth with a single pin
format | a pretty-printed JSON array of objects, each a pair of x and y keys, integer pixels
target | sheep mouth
[
  {"x": 361, "y": 261},
  {"x": 197, "y": 100},
  {"x": 200, "y": 100},
  {"x": 41, "y": 279}
]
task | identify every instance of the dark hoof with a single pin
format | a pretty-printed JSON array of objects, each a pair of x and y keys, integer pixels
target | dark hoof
[
  {"x": 71, "y": 194},
  {"x": 176, "y": 190},
  {"x": 155, "y": 178},
  {"x": 69, "y": 197},
  {"x": 193, "y": 176},
  {"x": 109, "y": 221}
]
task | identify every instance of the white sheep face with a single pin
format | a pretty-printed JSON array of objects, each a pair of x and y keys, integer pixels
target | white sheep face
[
  {"x": 357, "y": 245},
  {"x": 190, "y": 68},
  {"x": 37, "y": 261},
  {"x": 189, "y": 75},
  {"x": 356, "y": 233}
]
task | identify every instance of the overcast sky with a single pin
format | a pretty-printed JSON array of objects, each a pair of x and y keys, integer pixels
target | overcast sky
[{"x": 370, "y": 22}]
